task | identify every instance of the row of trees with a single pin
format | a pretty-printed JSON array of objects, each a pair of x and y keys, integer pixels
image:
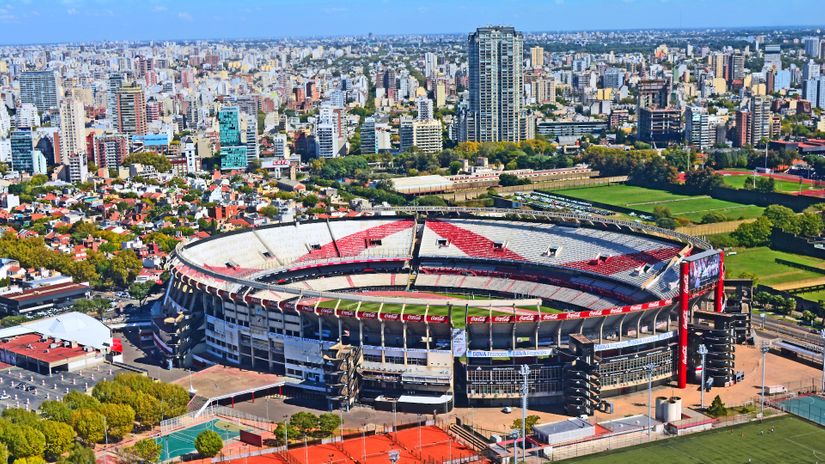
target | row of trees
[
  {"x": 100, "y": 269},
  {"x": 116, "y": 407},
  {"x": 758, "y": 233}
]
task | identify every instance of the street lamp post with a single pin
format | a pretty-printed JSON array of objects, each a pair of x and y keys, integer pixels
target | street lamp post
[
  {"x": 650, "y": 367},
  {"x": 764, "y": 349},
  {"x": 703, "y": 350}
]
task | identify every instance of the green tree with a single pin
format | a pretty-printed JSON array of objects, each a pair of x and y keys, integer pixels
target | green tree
[
  {"x": 11, "y": 321},
  {"x": 782, "y": 218},
  {"x": 78, "y": 455},
  {"x": 328, "y": 423},
  {"x": 717, "y": 408},
  {"x": 59, "y": 438},
  {"x": 89, "y": 425},
  {"x": 282, "y": 432},
  {"x": 4, "y": 453},
  {"x": 30, "y": 460},
  {"x": 430, "y": 200},
  {"x": 173, "y": 398},
  {"x": 810, "y": 224},
  {"x": 19, "y": 416},
  {"x": 208, "y": 443},
  {"x": 147, "y": 450},
  {"x": 24, "y": 441},
  {"x": 753, "y": 234},
  {"x": 120, "y": 419},
  {"x": 78, "y": 400},
  {"x": 137, "y": 382},
  {"x": 159, "y": 162},
  {"x": 108, "y": 391},
  {"x": 808, "y": 317},
  {"x": 124, "y": 267},
  {"x": 703, "y": 181},
  {"x": 304, "y": 421},
  {"x": 147, "y": 409},
  {"x": 140, "y": 291},
  {"x": 531, "y": 422},
  {"x": 56, "y": 411},
  {"x": 309, "y": 201}
]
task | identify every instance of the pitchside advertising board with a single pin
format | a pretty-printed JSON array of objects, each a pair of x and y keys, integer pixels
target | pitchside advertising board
[{"x": 704, "y": 269}]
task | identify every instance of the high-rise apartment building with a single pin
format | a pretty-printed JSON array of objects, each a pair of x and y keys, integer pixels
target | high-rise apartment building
[
  {"x": 813, "y": 90},
  {"x": 736, "y": 67},
  {"x": 537, "y": 57},
  {"x": 234, "y": 152},
  {"x": 110, "y": 150},
  {"x": 742, "y": 129},
  {"x": 280, "y": 146},
  {"x": 697, "y": 128},
  {"x": 717, "y": 65},
  {"x": 368, "y": 142},
  {"x": 424, "y": 106},
  {"x": 131, "y": 110},
  {"x": 495, "y": 84},
  {"x": 40, "y": 88},
  {"x": 760, "y": 119},
  {"x": 426, "y": 136},
  {"x": 115, "y": 82},
  {"x": 811, "y": 45},
  {"x": 72, "y": 127},
  {"x": 328, "y": 133}
]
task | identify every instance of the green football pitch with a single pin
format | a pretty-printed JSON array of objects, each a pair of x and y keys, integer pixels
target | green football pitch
[
  {"x": 792, "y": 441},
  {"x": 646, "y": 200},
  {"x": 762, "y": 262}
]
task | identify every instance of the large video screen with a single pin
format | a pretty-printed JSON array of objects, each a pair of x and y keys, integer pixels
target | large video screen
[{"x": 705, "y": 269}]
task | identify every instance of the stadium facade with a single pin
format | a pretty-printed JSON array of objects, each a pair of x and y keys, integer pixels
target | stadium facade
[{"x": 421, "y": 308}]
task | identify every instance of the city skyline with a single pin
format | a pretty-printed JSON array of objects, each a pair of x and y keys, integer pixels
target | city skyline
[{"x": 103, "y": 20}]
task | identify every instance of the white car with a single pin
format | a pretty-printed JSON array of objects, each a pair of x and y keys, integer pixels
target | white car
[
  {"x": 5, "y": 396},
  {"x": 507, "y": 410}
]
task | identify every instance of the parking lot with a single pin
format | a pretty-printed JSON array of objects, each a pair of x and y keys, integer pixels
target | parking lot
[{"x": 20, "y": 388}]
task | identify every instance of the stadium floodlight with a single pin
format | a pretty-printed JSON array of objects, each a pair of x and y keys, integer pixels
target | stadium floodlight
[
  {"x": 650, "y": 368},
  {"x": 525, "y": 389},
  {"x": 822, "y": 334},
  {"x": 763, "y": 316},
  {"x": 764, "y": 349},
  {"x": 703, "y": 351}
]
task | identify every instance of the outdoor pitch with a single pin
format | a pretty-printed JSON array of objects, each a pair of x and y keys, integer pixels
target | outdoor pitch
[
  {"x": 809, "y": 407},
  {"x": 762, "y": 261},
  {"x": 182, "y": 442},
  {"x": 793, "y": 441},
  {"x": 646, "y": 200},
  {"x": 782, "y": 186}
]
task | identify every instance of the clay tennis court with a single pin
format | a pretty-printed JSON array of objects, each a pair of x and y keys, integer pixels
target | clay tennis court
[{"x": 436, "y": 447}]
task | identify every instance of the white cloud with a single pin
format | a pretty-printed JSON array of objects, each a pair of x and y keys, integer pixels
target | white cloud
[
  {"x": 185, "y": 16},
  {"x": 71, "y": 11},
  {"x": 159, "y": 8}
]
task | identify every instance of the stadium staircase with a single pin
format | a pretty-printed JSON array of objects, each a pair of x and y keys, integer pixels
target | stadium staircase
[
  {"x": 415, "y": 248},
  {"x": 468, "y": 437},
  {"x": 268, "y": 249},
  {"x": 334, "y": 241}
]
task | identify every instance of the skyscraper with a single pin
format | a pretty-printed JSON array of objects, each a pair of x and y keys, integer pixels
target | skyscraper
[
  {"x": 40, "y": 89},
  {"x": 811, "y": 45},
  {"x": 368, "y": 144},
  {"x": 22, "y": 146},
  {"x": 131, "y": 110},
  {"x": 72, "y": 127},
  {"x": 234, "y": 153},
  {"x": 495, "y": 84}
]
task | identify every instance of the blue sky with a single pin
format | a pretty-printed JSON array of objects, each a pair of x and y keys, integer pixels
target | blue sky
[{"x": 38, "y": 21}]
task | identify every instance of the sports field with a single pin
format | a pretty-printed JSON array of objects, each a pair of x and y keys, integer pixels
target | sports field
[
  {"x": 182, "y": 442},
  {"x": 782, "y": 186},
  {"x": 458, "y": 313},
  {"x": 646, "y": 200},
  {"x": 793, "y": 441},
  {"x": 762, "y": 262},
  {"x": 809, "y": 407}
]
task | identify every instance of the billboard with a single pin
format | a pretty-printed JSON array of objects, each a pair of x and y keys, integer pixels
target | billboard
[{"x": 705, "y": 269}]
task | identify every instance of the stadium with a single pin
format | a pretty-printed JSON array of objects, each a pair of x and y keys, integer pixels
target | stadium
[{"x": 422, "y": 308}]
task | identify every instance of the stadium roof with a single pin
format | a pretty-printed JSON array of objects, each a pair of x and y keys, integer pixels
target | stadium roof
[{"x": 73, "y": 326}]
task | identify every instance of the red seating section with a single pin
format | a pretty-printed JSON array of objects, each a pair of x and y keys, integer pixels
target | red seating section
[
  {"x": 621, "y": 263},
  {"x": 471, "y": 243},
  {"x": 355, "y": 244}
]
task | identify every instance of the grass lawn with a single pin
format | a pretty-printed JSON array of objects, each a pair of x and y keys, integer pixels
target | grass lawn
[
  {"x": 813, "y": 296},
  {"x": 645, "y": 200},
  {"x": 793, "y": 441},
  {"x": 761, "y": 261},
  {"x": 782, "y": 186},
  {"x": 458, "y": 313}
]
